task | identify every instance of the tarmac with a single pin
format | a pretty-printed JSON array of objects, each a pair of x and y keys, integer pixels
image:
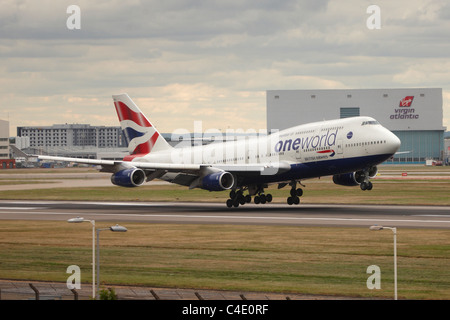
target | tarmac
[{"x": 21, "y": 290}]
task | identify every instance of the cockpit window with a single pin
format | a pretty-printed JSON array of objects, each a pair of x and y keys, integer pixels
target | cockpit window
[{"x": 372, "y": 122}]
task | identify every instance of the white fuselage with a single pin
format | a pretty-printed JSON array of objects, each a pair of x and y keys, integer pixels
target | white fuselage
[{"x": 325, "y": 148}]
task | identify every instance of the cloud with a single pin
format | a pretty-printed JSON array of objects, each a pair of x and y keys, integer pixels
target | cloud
[
  {"x": 210, "y": 60},
  {"x": 427, "y": 73}
]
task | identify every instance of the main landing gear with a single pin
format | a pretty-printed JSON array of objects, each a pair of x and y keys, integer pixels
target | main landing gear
[
  {"x": 237, "y": 198},
  {"x": 295, "y": 194}
]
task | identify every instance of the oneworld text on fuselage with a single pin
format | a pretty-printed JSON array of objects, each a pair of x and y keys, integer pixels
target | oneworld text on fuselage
[{"x": 309, "y": 142}]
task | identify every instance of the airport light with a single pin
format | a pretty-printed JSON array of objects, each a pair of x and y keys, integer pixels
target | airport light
[
  {"x": 394, "y": 230},
  {"x": 80, "y": 220},
  {"x": 115, "y": 228}
]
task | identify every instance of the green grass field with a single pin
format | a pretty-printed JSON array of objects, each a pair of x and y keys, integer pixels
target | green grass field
[
  {"x": 411, "y": 192},
  {"x": 389, "y": 188},
  {"x": 314, "y": 260}
]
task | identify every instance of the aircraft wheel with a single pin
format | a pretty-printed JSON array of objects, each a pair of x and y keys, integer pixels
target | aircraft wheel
[
  {"x": 370, "y": 186},
  {"x": 299, "y": 192},
  {"x": 269, "y": 198},
  {"x": 293, "y": 192},
  {"x": 290, "y": 201},
  {"x": 363, "y": 186},
  {"x": 257, "y": 200},
  {"x": 248, "y": 198},
  {"x": 296, "y": 200},
  {"x": 229, "y": 203}
]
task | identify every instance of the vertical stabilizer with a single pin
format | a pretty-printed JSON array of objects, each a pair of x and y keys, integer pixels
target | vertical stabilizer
[{"x": 142, "y": 137}]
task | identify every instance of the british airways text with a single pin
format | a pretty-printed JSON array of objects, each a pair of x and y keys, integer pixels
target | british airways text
[{"x": 317, "y": 141}]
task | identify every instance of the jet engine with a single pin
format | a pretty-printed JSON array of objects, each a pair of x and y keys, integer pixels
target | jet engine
[
  {"x": 217, "y": 181},
  {"x": 354, "y": 178},
  {"x": 129, "y": 178},
  {"x": 346, "y": 179}
]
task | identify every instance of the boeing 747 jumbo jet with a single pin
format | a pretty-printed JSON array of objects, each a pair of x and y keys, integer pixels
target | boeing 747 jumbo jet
[{"x": 347, "y": 149}]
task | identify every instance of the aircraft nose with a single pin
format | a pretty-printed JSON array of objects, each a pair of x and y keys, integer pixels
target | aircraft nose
[{"x": 393, "y": 143}]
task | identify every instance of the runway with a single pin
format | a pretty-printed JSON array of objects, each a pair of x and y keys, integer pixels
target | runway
[{"x": 218, "y": 213}]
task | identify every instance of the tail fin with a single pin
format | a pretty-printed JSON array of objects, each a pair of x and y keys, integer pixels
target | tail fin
[{"x": 140, "y": 134}]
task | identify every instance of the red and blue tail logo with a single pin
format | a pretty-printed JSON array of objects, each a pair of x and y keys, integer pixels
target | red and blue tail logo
[{"x": 141, "y": 136}]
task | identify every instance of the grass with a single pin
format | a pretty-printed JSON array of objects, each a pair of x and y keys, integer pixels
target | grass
[
  {"x": 388, "y": 189},
  {"x": 314, "y": 260},
  {"x": 398, "y": 192}
]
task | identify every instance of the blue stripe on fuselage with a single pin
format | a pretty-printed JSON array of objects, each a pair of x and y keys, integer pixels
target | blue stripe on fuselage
[{"x": 320, "y": 169}]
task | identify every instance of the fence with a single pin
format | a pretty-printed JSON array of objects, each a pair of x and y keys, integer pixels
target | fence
[{"x": 19, "y": 290}]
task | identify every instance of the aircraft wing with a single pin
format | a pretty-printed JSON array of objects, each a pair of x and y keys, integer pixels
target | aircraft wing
[
  {"x": 78, "y": 160},
  {"x": 257, "y": 168},
  {"x": 115, "y": 166}
]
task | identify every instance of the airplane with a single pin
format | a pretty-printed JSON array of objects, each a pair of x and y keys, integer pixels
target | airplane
[{"x": 347, "y": 149}]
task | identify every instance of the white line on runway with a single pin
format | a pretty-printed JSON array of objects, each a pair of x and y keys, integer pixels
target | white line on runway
[
  {"x": 19, "y": 208},
  {"x": 432, "y": 215},
  {"x": 216, "y": 204},
  {"x": 234, "y": 217},
  {"x": 283, "y": 218}
]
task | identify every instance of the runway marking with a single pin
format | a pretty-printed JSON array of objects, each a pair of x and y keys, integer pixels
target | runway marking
[
  {"x": 290, "y": 218},
  {"x": 20, "y": 208},
  {"x": 432, "y": 215},
  {"x": 233, "y": 217},
  {"x": 215, "y": 204}
]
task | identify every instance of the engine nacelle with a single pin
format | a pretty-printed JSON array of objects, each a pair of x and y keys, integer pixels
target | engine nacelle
[
  {"x": 129, "y": 178},
  {"x": 346, "y": 179},
  {"x": 373, "y": 171},
  {"x": 218, "y": 181},
  {"x": 354, "y": 178}
]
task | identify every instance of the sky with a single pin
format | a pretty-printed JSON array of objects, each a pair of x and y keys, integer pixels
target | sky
[{"x": 210, "y": 61}]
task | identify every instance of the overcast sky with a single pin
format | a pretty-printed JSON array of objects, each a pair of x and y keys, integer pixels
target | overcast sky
[{"x": 210, "y": 61}]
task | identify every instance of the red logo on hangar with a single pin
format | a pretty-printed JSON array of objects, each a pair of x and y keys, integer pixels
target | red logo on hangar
[{"x": 406, "y": 101}]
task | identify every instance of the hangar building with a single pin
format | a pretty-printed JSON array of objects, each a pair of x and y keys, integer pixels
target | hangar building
[{"x": 414, "y": 115}]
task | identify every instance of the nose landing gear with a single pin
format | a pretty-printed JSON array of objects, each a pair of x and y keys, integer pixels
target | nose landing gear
[
  {"x": 363, "y": 177},
  {"x": 366, "y": 186}
]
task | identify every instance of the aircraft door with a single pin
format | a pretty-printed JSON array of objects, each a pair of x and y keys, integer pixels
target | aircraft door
[
  {"x": 298, "y": 155},
  {"x": 340, "y": 147}
]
